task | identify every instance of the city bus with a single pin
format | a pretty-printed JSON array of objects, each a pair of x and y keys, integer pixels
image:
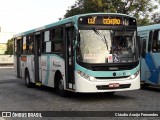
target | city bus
[
  {"x": 150, "y": 54},
  {"x": 87, "y": 53}
]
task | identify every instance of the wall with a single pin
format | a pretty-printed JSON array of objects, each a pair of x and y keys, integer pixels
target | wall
[{"x": 6, "y": 59}]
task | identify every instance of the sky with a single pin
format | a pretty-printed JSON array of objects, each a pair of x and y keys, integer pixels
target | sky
[{"x": 21, "y": 15}]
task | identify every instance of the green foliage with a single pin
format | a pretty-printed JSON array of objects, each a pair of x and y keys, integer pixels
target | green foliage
[
  {"x": 141, "y": 9},
  {"x": 9, "y": 50},
  {"x": 156, "y": 18}
]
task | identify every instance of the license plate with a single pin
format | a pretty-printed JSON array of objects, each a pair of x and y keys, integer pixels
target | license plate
[{"x": 113, "y": 85}]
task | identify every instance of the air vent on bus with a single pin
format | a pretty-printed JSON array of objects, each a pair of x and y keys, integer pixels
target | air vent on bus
[{"x": 110, "y": 68}]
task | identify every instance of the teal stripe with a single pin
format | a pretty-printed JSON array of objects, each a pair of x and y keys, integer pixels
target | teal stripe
[{"x": 47, "y": 71}]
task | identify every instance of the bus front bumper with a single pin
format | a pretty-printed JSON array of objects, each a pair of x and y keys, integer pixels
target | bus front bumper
[{"x": 83, "y": 85}]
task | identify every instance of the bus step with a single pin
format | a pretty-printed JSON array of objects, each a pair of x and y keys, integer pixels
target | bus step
[{"x": 38, "y": 83}]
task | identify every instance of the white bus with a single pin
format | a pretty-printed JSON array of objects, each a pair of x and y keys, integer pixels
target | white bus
[{"x": 87, "y": 53}]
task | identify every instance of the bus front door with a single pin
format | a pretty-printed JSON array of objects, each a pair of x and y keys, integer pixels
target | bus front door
[{"x": 69, "y": 61}]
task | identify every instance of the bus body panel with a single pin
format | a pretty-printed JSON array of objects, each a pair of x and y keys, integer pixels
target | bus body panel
[
  {"x": 27, "y": 63},
  {"x": 84, "y": 85},
  {"x": 152, "y": 69},
  {"x": 150, "y": 64},
  {"x": 50, "y": 65}
]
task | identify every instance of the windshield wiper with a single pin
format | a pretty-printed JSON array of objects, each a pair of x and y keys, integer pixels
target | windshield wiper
[{"x": 103, "y": 38}]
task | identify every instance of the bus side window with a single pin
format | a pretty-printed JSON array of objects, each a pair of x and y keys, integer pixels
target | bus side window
[
  {"x": 57, "y": 39},
  {"x": 46, "y": 43},
  {"x": 29, "y": 44},
  {"x": 156, "y": 42},
  {"x": 24, "y": 45}
]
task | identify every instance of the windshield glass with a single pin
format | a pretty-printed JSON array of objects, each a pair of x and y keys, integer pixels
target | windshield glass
[{"x": 107, "y": 46}]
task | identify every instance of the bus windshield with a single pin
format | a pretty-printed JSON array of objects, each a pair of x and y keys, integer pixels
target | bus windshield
[{"x": 107, "y": 46}]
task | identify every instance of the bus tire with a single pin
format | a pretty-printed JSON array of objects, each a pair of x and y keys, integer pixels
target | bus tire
[
  {"x": 27, "y": 80},
  {"x": 60, "y": 86}
]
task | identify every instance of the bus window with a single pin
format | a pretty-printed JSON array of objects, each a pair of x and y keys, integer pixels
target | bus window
[
  {"x": 57, "y": 39},
  {"x": 29, "y": 44},
  {"x": 156, "y": 42},
  {"x": 46, "y": 43},
  {"x": 24, "y": 45}
]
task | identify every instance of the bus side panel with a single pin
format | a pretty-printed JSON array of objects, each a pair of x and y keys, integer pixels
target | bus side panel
[
  {"x": 23, "y": 65},
  {"x": 18, "y": 66},
  {"x": 30, "y": 66},
  {"x": 46, "y": 70},
  {"x": 51, "y": 64},
  {"x": 153, "y": 68},
  {"x": 57, "y": 64},
  {"x": 143, "y": 69}
]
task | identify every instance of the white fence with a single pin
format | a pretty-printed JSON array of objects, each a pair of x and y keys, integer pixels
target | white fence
[{"x": 6, "y": 59}]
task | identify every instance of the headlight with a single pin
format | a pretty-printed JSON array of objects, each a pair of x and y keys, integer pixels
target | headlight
[
  {"x": 86, "y": 76},
  {"x": 135, "y": 75}
]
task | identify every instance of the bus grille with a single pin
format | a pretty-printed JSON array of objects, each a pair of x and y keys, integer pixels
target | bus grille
[{"x": 112, "y": 68}]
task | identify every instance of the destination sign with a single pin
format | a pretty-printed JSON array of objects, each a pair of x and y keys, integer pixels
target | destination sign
[{"x": 106, "y": 20}]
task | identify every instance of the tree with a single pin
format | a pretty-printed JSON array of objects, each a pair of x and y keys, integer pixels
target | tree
[
  {"x": 141, "y": 9},
  {"x": 156, "y": 17},
  {"x": 9, "y": 50}
]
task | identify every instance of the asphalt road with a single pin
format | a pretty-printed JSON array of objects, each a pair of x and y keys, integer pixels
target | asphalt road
[{"x": 15, "y": 96}]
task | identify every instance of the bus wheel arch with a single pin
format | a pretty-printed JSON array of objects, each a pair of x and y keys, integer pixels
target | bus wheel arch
[
  {"x": 59, "y": 84},
  {"x": 27, "y": 78}
]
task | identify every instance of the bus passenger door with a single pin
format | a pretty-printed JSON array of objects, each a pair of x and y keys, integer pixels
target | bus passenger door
[
  {"x": 37, "y": 56},
  {"x": 18, "y": 56},
  {"x": 69, "y": 58}
]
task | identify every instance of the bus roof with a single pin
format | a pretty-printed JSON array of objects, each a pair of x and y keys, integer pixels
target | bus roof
[
  {"x": 149, "y": 27},
  {"x": 66, "y": 20}
]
